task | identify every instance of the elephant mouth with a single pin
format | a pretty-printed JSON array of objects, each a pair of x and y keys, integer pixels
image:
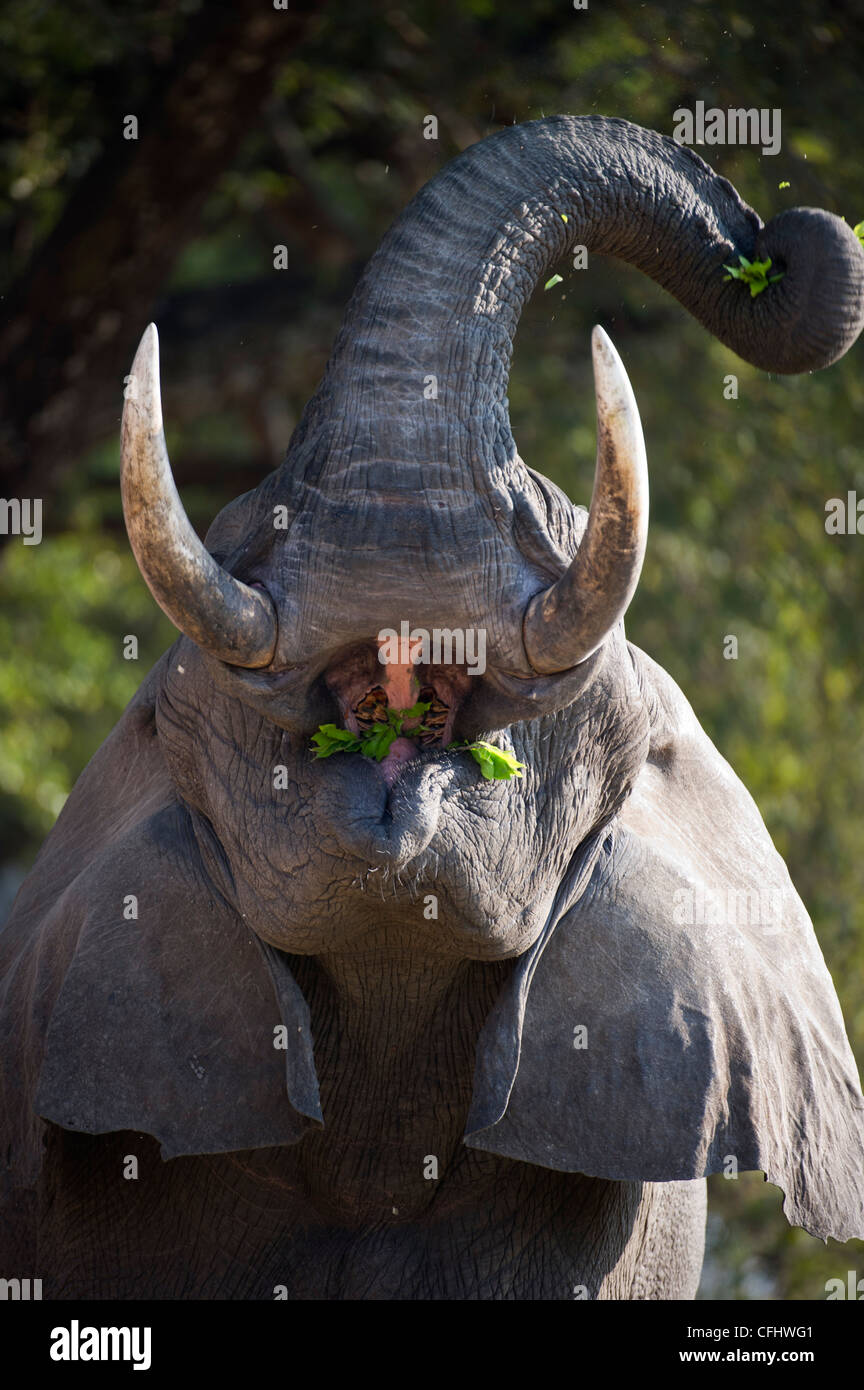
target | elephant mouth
[
  {"x": 387, "y": 808},
  {"x": 429, "y": 730},
  {"x": 388, "y": 814},
  {"x": 378, "y": 703}
]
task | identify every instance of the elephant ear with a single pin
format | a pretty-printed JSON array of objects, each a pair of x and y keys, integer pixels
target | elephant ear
[
  {"x": 132, "y": 996},
  {"x": 676, "y": 1018}
]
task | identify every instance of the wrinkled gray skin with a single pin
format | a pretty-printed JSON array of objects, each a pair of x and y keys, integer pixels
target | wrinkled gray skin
[{"x": 561, "y": 1171}]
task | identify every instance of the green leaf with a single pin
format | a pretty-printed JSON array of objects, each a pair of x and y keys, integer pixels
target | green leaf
[
  {"x": 396, "y": 717},
  {"x": 753, "y": 274},
  {"x": 376, "y": 744},
  {"x": 556, "y": 280},
  {"x": 331, "y": 739},
  {"x": 784, "y": 184},
  {"x": 495, "y": 764},
  {"x": 416, "y": 710},
  {"x": 858, "y": 229}
]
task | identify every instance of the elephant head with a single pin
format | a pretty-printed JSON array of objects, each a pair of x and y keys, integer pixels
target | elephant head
[{"x": 403, "y": 499}]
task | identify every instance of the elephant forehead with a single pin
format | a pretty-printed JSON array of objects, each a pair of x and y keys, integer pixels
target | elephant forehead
[
  {"x": 428, "y": 523},
  {"x": 351, "y": 575}
]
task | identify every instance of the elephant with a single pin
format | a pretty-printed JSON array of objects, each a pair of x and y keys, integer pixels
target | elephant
[{"x": 404, "y": 1025}]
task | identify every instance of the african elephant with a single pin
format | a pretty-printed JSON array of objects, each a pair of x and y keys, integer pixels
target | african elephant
[{"x": 385, "y": 1027}]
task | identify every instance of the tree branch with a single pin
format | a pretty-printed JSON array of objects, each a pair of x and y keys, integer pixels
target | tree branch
[{"x": 75, "y": 315}]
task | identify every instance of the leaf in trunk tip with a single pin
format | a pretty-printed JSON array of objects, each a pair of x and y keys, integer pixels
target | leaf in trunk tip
[
  {"x": 753, "y": 273},
  {"x": 556, "y": 280}
]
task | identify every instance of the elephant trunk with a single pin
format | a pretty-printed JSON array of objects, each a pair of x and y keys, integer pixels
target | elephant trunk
[
  {"x": 440, "y": 300},
  {"x": 411, "y": 416}
]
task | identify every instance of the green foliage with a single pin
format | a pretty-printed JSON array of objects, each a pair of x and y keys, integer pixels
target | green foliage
[
  {"x": 330, "y": 739},
  {"x": 494, "y": 763},
  {"x": 376, "y": 742},
  {"x": 753, "y": 273},
  {"x": 65, "y": 77},
  {"x": 67, "y": 606}
]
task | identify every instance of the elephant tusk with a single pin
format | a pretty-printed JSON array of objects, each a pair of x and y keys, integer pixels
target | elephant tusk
[
  {"x": 225, "y": 617},
  {"x": 567, "y": 623}
]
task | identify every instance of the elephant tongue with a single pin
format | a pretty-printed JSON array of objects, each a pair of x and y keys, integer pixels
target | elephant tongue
[
  {"x": 400, "y": 752},
  {"x": 399, "y": 690}
]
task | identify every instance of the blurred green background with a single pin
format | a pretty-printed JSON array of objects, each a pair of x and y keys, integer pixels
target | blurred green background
[{"x": 304, "y": 129}]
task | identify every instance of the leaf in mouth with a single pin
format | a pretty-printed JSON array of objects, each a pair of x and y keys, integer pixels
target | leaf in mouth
[
  {"x": 376, "y": 744},
  {"x": 372, "y": 742},
  {"x": 495, "y": 764},
  {"x": 330, "y": 739}
]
